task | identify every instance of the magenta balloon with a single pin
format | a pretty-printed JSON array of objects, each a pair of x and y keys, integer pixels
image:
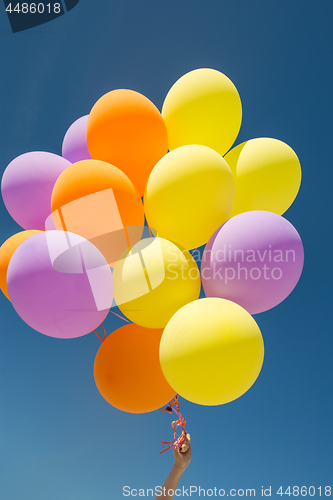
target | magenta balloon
[
  {"x": 255, "y": 259},
  {"x": 60, "y": 284},
  {"x": 27, "y": 186},
  {"x": 74, "y": 146}
]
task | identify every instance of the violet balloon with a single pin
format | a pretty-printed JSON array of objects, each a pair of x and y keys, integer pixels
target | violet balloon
[
  {"x": 74, "y": 146},
  {"x": 27, "y": 186},
  {"x": 255, "y": 259},
  {"x": 60, "y": 284}
]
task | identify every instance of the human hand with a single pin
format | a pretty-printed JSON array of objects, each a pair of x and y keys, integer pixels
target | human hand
[{"x": 183, "y": 456}]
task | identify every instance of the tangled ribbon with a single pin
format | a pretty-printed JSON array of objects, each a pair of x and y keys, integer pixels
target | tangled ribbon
[{"x": 177, "y": 442}]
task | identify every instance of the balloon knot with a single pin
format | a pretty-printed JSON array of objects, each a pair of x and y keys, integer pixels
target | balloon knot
[{"x": 176, "y": 443}]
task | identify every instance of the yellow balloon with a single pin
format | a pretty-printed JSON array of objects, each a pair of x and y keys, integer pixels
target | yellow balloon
[
  {"x": 155, "y": 280},
  {"x": 267, "y": 175},
  {"x": 6, "y": 251},
  {"x": 189, "y": 194},
  {"x": 211, "y": 351},
  {"x": 203, "y": 107}
]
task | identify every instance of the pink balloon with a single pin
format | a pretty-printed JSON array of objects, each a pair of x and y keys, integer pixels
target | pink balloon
[
  {"x": 27, "y": 185},
  {"x": 60, "y": 284},
  {"x": 74, "y": 146},
  {"x": 255, "y": 259}
]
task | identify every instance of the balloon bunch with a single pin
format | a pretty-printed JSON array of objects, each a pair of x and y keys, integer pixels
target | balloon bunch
[{"x": 83, "y": 216}]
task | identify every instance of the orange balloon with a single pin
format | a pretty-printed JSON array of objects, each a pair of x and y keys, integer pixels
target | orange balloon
[
  {"x": 96, "y": 200},
  {"x": 126, "y": 129},
  {"x": 127, "y": 370},
  {"x": 6, "y": 251}
]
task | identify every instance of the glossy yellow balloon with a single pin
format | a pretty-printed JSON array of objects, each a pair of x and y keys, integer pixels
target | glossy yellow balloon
[
  {"x": 203, "y": 107},
  {"x": 211, "y": 351},
  {"x": 267, "y": 175},
  {"x": 6, "y": 251},
  {"x": 189, "y": 194},
  {"x": 155, "y": 280}
]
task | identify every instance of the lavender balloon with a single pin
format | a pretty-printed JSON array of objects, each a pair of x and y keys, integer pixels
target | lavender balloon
[
  {"x": 27, "y": 186},
  {"x": 60, "y": 284},
  {"x": 74, "y": 146},
  {"x": 255, "y": 259}
]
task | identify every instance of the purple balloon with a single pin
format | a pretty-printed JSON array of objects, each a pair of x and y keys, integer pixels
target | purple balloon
[
  {"x": 60, "y": 284},
  {"x": 255, "y": 259},
  {"x": 27, "y": 186},
  {"x": 74, "y": 146}
]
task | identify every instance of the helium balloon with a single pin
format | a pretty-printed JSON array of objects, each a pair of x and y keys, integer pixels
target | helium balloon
[
  {"x": 74, "y": 145},
  {"x": 254, "y": 259},
  {"x": 203, "y": 107},
  {"x": 96, "y": 200},
  {"x": 189, "y": 194},
  {"x": 6, "y": 251},
  {"x": 211, "y": 351},
  {"x": 60, "y": 284},
  {"x": 27, "y": 185},
  {"x": 155, "y": 280},
  {"x": 127, "y": 130},
  {"x": 127, "y": 370},
  {"x": 267, "y": 175}
]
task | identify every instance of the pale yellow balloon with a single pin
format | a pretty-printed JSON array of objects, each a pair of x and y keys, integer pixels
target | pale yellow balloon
[
  {"x": 203, "y": 107},
  {"x": 189, "y": 194},
  {"x": 155, "y": 280},
  {"x": 267, "y": 175},
  {"x": 211, "y": 351}
]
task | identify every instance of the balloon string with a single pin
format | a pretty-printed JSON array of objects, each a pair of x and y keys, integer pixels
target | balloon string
[
  {"x": 101, "y": 326},
  {"x": 102, "y": 340},
  {"x": 62, "y": 220},
  {"x": 121, "y": 317},
  {"x": 176, "y": 443}
]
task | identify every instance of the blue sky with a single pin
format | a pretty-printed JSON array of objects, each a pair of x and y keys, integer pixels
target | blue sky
[{"x": 58, "y": 437}]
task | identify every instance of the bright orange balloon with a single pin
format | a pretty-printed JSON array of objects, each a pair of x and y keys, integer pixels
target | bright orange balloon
[
  {"x": 127, "y": 370},
  {"x": 6, "y": 251},
  {"x": 96, "y": 200},
  {"x": 126, "y": 129}
]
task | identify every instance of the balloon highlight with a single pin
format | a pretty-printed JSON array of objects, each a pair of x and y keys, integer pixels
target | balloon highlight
[
  {"x": 127, "y": 130},
  {"x": 189, "y": 194},
  {"x": 211, "y": 351},
  {"x": 267, "y": 175},
  {"x": 255, "y": 259},
  {"x": 127, "y": 370},
  {"x": 27, "y": 185},
  {"x": 203, "y": 107},
  {"x": 97, "y": 201},
  {"x": 60, "y": 284},
  {"x": 155, "y": 280}
]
